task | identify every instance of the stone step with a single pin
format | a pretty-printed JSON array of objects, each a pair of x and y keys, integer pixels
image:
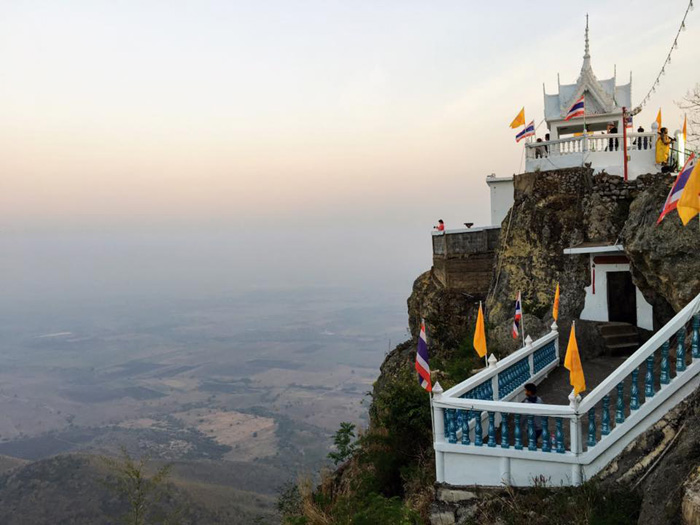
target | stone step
[
  {"x": 608, "y": 329},
  {"x": 621, "y": 349},
  {"x": 621, "y": 339}
]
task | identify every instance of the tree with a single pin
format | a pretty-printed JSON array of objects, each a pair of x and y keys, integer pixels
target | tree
[
  {"x": 143, "y": 493},
  {"x": 344, "y": 442},
  {"x": 691, "y": 104}
]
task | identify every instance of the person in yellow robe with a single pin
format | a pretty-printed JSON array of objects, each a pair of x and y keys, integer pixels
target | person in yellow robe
[{"x": 663, "y": 146}]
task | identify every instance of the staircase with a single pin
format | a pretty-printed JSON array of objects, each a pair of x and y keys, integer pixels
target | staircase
[
  {"x": 620, "y": 339},
  {"x": 484, "y": 435}
]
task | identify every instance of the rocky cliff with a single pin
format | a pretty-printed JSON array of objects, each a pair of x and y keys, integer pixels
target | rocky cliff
[{"x": 552, "y": 211}]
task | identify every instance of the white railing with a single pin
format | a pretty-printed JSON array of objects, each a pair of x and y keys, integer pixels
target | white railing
[
  {"x": 482, "y": 442},
  {"x": 610, "y": 143}
]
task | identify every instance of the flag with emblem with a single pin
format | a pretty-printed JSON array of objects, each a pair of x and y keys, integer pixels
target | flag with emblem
[
  {"x": 518, "y": 316},
  {"x": 422, "y": 366}
]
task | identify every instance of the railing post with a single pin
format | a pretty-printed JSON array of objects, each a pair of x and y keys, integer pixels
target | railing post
[
  {"x": 680, "y": 350},
  {"x": 451, "y": 425},
  {"x": 517, "y": 433},
  {"x": 546, "y": 438},
  {"x": 531, "y": 436},
  {"x": 576, "y": 445},
  {"x": 439, "y": 435},
  {"x": 591, "y": 428},
  {"x": 555, "y": 328},
  {"x": 605, "y": 424},
  {"x": 634, "y": 393},
  {"x": 465, "y": 427},
  {"x": 505, "y": 438},
  {"x": 665, "y": 376},
  {"x": 531, "y": 357},
  {"x": 478, "y": 431},
  {"x": 649, "y": 377},
  {"x": 493, "y": 363},
  {"x": 620, "y": 404},
  {"x": 695, "y": 345},
  {"x": 559, "y": 435},
  {"x": 492, "y": 430}
]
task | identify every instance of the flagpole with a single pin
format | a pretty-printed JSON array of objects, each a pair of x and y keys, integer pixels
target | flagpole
[
  {"x": 522, "y": 317},
  {"x": 430, "y": 397}
]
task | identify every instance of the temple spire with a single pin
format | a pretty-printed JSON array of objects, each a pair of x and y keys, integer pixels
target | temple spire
[{"x": 587, "y": 53}]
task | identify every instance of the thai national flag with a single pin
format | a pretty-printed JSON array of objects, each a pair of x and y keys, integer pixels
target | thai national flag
[
  {"x": 422, "y": 366},
  {"x": 529, "y": 131},
  {"x": 518, "y": 316},
  {"x": 675, "y": 194},
  {"x": 577, "y": 110}
]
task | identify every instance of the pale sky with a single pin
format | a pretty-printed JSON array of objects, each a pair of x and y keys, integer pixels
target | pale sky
[{"x": 138, "y": 114}]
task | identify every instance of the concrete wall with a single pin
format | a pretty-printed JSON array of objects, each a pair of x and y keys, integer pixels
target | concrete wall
[
  {"x": 463, "y": 259},
  {"x": 501, "y": 190}
]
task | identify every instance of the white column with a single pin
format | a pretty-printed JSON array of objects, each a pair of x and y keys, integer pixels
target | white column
[{"x": 439, "y": 435}]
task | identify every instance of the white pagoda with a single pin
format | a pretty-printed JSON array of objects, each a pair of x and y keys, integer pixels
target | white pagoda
[
  {"x": 604, "y": 101},
  {"x": 569, "y": 145}
]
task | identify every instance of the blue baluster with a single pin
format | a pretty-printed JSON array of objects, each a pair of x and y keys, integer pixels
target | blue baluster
[
  {"x": 620, "y": 406},
  {"x": 649, "y": 378},
  {"x": 451, "y": 426},
  {"x": 591, "y": 427},
  {"x": 478, "y": 431},
  {"x": 634, "y": 393},
  {"x": 546, "y": 438},
  {"x": 517, "y": 432},
  {"x": 559, "y": 436},
  {"x": 446, "y": 421},
  {"x": 665, "y": 377},
  {"x": 505, "y": 438},
  {"x": 492, "y": 429},
  {"x": 605, "y": 426},
  {"x": 695, "y": 342},
  {"x": 680, "y": 350},
  {"x": 465, "y": 427},
  {"x": 531, "y": 436}
]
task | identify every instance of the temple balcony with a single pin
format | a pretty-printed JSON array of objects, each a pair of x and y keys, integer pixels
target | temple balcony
[{"x": 603, "y": 152}]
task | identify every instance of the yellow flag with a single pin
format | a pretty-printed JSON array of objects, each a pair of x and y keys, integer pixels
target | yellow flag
[
  {"x": 685, "y": 128},
  {"x": 572, "y": 362},
  {"x": 689, "y": 203},
  {"x": 658, "y": 118},
  {"x": 519, "y": 120},
  {"x": 480, "y": 334},
  {"x": 555, "y": 308}
]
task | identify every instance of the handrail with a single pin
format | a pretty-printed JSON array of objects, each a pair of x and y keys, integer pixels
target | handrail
[
  {"x": 509, "y": 407},
  {"x": 590, "y": 137},
  {"x": 637, "y": 358},
  {"x": 490, "y": 372}
]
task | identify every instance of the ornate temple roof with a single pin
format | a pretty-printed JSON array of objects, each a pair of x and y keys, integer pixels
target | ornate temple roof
[{"x": 602, "y": 96}]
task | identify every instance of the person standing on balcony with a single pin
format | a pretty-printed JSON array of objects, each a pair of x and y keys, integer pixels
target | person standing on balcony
[
  {"x": 641, "y": 142},
  {"x": 440, "y": 227},
  {"x": 532, "y": 397},
  {"x": 663, "y": 146},
  {"x": 539, "y": 150},
  {"x": 546, "y": 147},
  {"x": 613, "y": 144}
]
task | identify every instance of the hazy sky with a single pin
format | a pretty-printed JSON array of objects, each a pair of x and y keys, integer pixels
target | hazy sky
[{"x": 387, "y": 114}]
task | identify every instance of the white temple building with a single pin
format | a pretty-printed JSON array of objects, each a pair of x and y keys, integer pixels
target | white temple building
[
  {"x": 596, "y": 140},
  {"x": 568, "y": 146}
]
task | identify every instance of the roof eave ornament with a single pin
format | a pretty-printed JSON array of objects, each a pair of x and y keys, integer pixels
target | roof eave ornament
[{"x": 587, "y": 51}]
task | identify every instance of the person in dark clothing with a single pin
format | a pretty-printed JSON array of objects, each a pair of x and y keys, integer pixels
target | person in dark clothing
[
  {"x": 641, "y": 142},
  {"x": 613, "y": 144},
  {"x": 532, "y": 397}
]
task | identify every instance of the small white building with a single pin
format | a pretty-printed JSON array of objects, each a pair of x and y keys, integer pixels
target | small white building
[{"x": 612, "y": 296}]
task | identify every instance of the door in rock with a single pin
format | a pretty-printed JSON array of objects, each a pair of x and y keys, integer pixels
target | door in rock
[{"x": 622, "y": 298}]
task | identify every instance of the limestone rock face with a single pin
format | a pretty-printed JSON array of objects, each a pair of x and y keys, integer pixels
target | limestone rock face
[
  {"x": 547, "y": 216},
  {"x": 664, "y": 257},
  {"x": 450, "y": 315},
  {"x": 669, "y": 487}
]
